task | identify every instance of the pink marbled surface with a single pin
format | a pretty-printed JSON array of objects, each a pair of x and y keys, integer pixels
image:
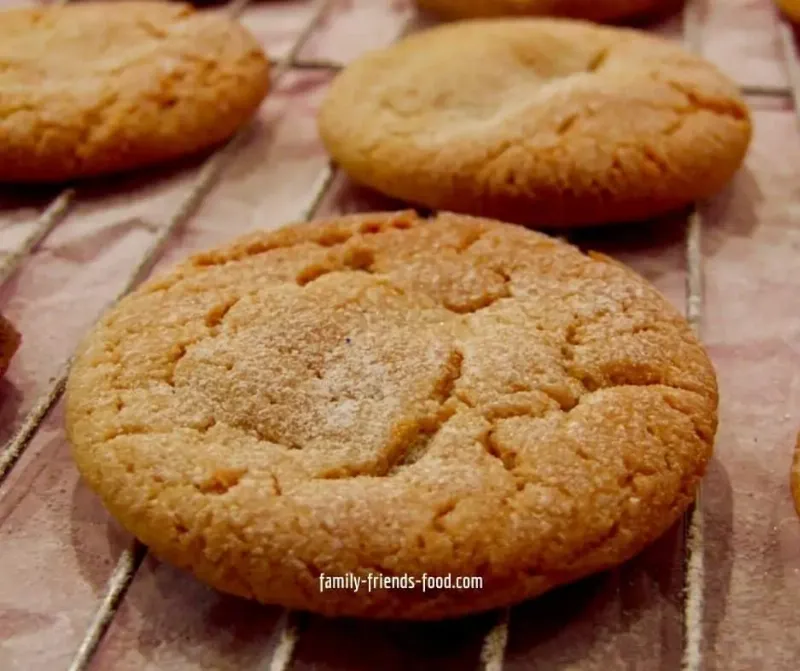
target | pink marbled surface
[{"x": 59, "y": 546}]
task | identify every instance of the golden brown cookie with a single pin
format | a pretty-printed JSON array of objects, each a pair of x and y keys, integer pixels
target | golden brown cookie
[
  {"x": 101, "y": 87},
  {"x": 795, "y": 478},
  {"x": 591, "y": 10},
  {"x": 382, "y": 394},
  {"x": 10, "y": 340},
  {"x": 544, "y": 122}
]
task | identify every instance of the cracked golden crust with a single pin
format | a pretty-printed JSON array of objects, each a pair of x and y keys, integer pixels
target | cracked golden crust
[
  {"x": 96, "y": 88},
  {"x": 10, "y": 340},
  {"x": 543, "y": 122},
  {"x": 387, "y": 393},
  {"x": 591, "y": 10}
]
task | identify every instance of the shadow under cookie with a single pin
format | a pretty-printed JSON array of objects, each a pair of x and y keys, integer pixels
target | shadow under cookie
[
  {"x": 610, "y": 11},
  {"x": 10, "y": 340}
]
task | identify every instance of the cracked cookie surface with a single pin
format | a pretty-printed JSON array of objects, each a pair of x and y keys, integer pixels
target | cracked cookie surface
[
  {"x": 384, "y": 393},
  {"x": 543, "y": 122},
  {"x": 96, "y": 88},
  {"x": 591, "y": 10}
]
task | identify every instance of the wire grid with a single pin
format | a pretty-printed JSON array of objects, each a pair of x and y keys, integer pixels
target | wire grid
[{"x": 290, "y": 626}]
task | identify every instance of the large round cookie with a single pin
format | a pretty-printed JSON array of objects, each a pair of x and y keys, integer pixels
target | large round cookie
[
  {"x": 543, "y": 122},
  {"x": 385, "y": 394},
  {"x": 592, "y": 10},
  {"x": 98, "y": 87}
]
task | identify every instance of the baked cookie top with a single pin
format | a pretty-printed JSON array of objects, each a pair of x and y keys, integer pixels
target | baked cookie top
[
  {"x": 93, "y": 88},
  {"x": 592, "y": 10},
  {"x": 382, "y": 393},
  {"x": 544, "y": 122}
]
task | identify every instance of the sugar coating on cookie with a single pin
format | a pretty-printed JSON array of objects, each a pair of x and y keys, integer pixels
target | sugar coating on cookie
[
  {"x": 544, "y": 122},
  {"x": 10, "y": 340},
  {"x": 102, "y": 87},
  {"x": 592, "y": 10},
  {"x": 387, "y": 394}
]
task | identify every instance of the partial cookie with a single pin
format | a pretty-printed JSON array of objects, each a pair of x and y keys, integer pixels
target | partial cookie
[
  {"x": 102, "y": 87},
  {"x": 791, "y": 8},
  {"x": 795, "y": 479},
  {"x": 385, "y": 394},
  {"x": 10, "y": 340},
  {"x": 543, "y": 122},
  {"x": 591, "y": 10}
]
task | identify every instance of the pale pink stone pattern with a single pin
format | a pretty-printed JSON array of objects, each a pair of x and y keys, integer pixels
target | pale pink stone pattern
[{"x": 59, "y": 547}]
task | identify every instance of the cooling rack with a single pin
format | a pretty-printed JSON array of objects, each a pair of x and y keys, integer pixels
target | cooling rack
[{"x": 20, "y": 458}]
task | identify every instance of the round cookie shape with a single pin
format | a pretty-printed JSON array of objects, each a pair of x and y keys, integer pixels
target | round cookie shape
[
  {"x": 590, "y": 10},
  {"x": 387, "y": 395},
  {"x": 543, "y": 122},
  {"x": 96, "y": 88}
]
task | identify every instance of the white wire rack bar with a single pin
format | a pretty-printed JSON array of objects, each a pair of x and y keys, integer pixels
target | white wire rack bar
[
  {"x": 117, "y": 586},
  {"x": 694, "y": 562},
  {"x": 493, "y": 650},
  {"x": 765, "y": 91},
  {"x": 53, "y": 215},
  {"x": 289, "y": 627},
  {"x": 693, "y": 573}
]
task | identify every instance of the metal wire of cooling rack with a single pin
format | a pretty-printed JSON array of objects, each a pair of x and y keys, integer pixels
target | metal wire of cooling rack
[
  {"x": 290, "y": 627},
  {"x": 694, "y": 550},
  {"x": 53, "y": 215}
]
